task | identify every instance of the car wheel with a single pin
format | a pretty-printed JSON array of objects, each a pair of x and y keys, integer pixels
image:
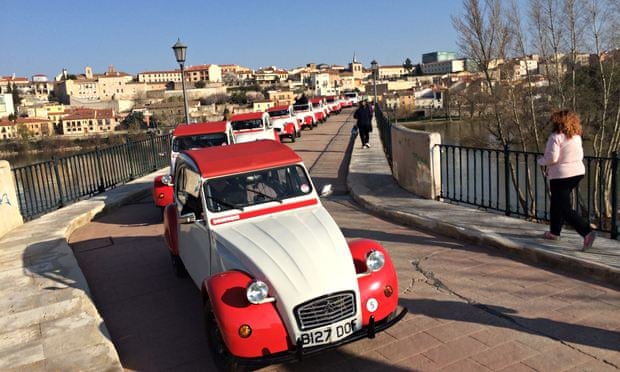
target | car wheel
[
  {"x": 219, "y": 351},
  {"x": 178, "y": 266},
  {"x": 293, "y": 136},
  {"x": 299, "y": 132}
]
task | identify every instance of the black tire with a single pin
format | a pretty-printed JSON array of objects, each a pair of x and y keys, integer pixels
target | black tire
[
  {"x": 178, "y": 266},
  {"x": 293, "y": 136},
  {"x": 299, "y": 132},
  {"x": 222, "y": 357}
]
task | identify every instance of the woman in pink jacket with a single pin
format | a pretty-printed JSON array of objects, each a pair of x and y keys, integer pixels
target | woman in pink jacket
[{"x": 564, "y": 161}]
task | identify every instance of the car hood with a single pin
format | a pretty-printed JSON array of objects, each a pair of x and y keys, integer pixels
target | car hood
[
  {"x": 300, "y": 254},
  {"x": 280, "y": 122}
]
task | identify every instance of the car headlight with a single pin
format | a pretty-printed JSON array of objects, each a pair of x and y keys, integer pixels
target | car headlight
[
  {"x": 257, "y": 291},
  {"x": 166, "y": 180},
  {"x": 375, "y": 260}
]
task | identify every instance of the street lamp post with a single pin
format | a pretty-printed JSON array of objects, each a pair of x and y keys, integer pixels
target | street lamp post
[
  {"x": 180, "y": 50},
  {"x": 396, "y": 104},
  {"x": 375, "y": 69}
]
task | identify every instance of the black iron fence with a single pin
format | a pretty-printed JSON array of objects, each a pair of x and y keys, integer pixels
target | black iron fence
[
  {"x": 513, "y": 183},
  {"x": 384, "y": 125},
  {"x": 49, "y": 185}
]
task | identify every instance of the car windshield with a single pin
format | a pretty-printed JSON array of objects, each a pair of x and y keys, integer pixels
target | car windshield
[
  {"x": 274, "y": 114},
  {"x": 331, "y": 100},
  {"x": 199, "y": 141},
  {"x": 350, "y": 95},
  {"x": 248, "y": 189},
  {"x": 302, "y": 107},
  {"x": 247, "y": 124}
]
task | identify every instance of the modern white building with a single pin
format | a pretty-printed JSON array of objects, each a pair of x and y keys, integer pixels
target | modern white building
[
  {"x": 6, "y": 105},
  {"x": 443, "y": 67}
]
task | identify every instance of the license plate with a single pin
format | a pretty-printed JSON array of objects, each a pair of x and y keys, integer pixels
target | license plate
[{"x": 328, "y": 334}]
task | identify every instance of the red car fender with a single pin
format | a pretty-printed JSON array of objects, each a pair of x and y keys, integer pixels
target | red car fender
[
  {"x": 171, "y": 228},
  {"x": 162, "y": 193},
  {"x": 374, "y": 284},
  {"x": 289, "y": 128},
  {"x": 276, "y": 136},
  {"x": 227, "y": 293},
  {"x": 308, "y": 120}
]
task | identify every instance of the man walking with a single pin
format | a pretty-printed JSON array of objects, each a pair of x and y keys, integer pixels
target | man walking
[{"x": 364, "y": 126}]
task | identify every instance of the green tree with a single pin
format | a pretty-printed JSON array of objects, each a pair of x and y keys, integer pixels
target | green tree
[
  {"x": 408, "y": 66},
  {"x": 134, "y": 122},
  {"x": 200, "y": 84}
]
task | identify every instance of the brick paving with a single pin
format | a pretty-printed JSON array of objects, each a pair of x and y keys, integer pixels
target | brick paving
[{"x": 471, "y": 308}]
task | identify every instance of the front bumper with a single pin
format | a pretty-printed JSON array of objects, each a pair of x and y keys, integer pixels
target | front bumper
[{"x": 300, "y": 352}]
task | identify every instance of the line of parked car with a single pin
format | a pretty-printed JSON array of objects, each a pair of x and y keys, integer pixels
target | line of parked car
[{"x": 245, "y": 222}]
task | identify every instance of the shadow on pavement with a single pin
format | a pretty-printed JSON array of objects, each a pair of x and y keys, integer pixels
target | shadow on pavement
[{"x": 508, "y": 318}]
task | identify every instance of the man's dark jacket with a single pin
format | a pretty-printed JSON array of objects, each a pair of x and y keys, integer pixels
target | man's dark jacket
[{"x": 363, "y": 116}]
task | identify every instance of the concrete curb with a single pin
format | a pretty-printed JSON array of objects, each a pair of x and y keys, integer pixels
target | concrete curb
[{"x": 48, "y": 319}]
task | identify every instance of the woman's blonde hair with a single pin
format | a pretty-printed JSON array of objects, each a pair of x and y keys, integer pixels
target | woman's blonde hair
[{"x": 567, "y": 122}]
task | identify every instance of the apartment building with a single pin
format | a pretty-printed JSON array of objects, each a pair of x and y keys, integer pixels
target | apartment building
[
  {"x": 207, "y": 73},
  {"x": 281, "y": 98},
  {"x": 391, "y": 72},
  {"x": 443, "y": 67},
  {"x": 6, "y": 105},
  {"x": 159, "y": 76},
  {"x": 8, "y": 129},
  {"x": 82, "y": 121},
  {"x": 262, "y": 105},
  {"x": 7, "y": 83},
  {"x": 270, "y": 75}
]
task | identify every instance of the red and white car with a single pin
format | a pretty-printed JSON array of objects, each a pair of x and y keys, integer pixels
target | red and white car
[
  {"x": 253, "y": 126},
  {"x": 185, "y": 137},
  {"x": 284, "y": 122},
  {"x": 319, "y": 109},
  {"x": 278, "y": 279},
  {"x": 350, "y": 99},
  {"x": 333, "y": 103},
  {"x": 305, "y": 113}
]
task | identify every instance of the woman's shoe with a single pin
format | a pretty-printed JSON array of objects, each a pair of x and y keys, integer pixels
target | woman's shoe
[
  {"x": 588, "y": 240},
  {"x": 549, "y": 236}
]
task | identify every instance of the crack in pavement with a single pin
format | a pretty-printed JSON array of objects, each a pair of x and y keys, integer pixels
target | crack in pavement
[{"x": 432, "y": 280}]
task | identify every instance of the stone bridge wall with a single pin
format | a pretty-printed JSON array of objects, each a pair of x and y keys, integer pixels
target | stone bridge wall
[{"x": 415, "y": 161}]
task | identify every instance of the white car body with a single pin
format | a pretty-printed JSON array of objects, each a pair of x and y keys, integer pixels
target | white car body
[{"x": 252, "y": 126}]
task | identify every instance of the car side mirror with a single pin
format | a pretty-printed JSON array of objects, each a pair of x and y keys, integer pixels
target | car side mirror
[
  {"x": 187, "y": 218},
  {"x": 326, "y": 191}
]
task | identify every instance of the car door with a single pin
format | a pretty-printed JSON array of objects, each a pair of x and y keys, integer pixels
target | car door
[{"x": 194, "y": 234}]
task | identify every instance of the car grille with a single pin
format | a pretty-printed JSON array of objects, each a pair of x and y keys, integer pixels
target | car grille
[{"x": 325, "y": 310}]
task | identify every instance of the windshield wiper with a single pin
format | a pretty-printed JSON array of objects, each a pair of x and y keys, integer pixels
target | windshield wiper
[
  {"x": 265, "y": 195},
  {"x": 230, "y": 205}
]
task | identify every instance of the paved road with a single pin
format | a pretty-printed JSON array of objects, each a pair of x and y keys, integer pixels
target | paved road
[{"x": 470, "y": 309}]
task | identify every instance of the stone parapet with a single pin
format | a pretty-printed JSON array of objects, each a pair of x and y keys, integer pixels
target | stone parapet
[
  {"x": 415, "y": 161},
  {"x": 9, "y": 204}
]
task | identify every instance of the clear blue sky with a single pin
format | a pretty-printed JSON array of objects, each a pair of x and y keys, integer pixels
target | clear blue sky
[{"x": 42, "y": 36}]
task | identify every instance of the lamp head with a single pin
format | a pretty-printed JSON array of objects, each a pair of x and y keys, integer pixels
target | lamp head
[{"x": 180, "y": 50}]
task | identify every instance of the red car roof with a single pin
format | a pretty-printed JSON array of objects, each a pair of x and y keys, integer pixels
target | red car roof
[
  {"x": 199, "y": 128},
  {"x": 277, "y": 108},
  {"x": 248, "y": 116},
  {"x": 242, "y": 157}
]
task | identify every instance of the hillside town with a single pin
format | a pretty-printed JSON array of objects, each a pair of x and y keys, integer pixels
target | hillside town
[{"x": 75, "y": 104}]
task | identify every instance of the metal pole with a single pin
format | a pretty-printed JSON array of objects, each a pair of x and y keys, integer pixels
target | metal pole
[
  {"x": 374, "y": 83},
  {"x": 614, "y": 196},
  {"x": 506, "y": 178},
  {"x": 184, "y": 94}
]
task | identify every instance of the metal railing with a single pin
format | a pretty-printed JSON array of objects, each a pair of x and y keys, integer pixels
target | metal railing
[
  {"x": 384, "y": 125},
  {"x": 52, "y": 184},
  {"x": 513, "y": 183}
]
